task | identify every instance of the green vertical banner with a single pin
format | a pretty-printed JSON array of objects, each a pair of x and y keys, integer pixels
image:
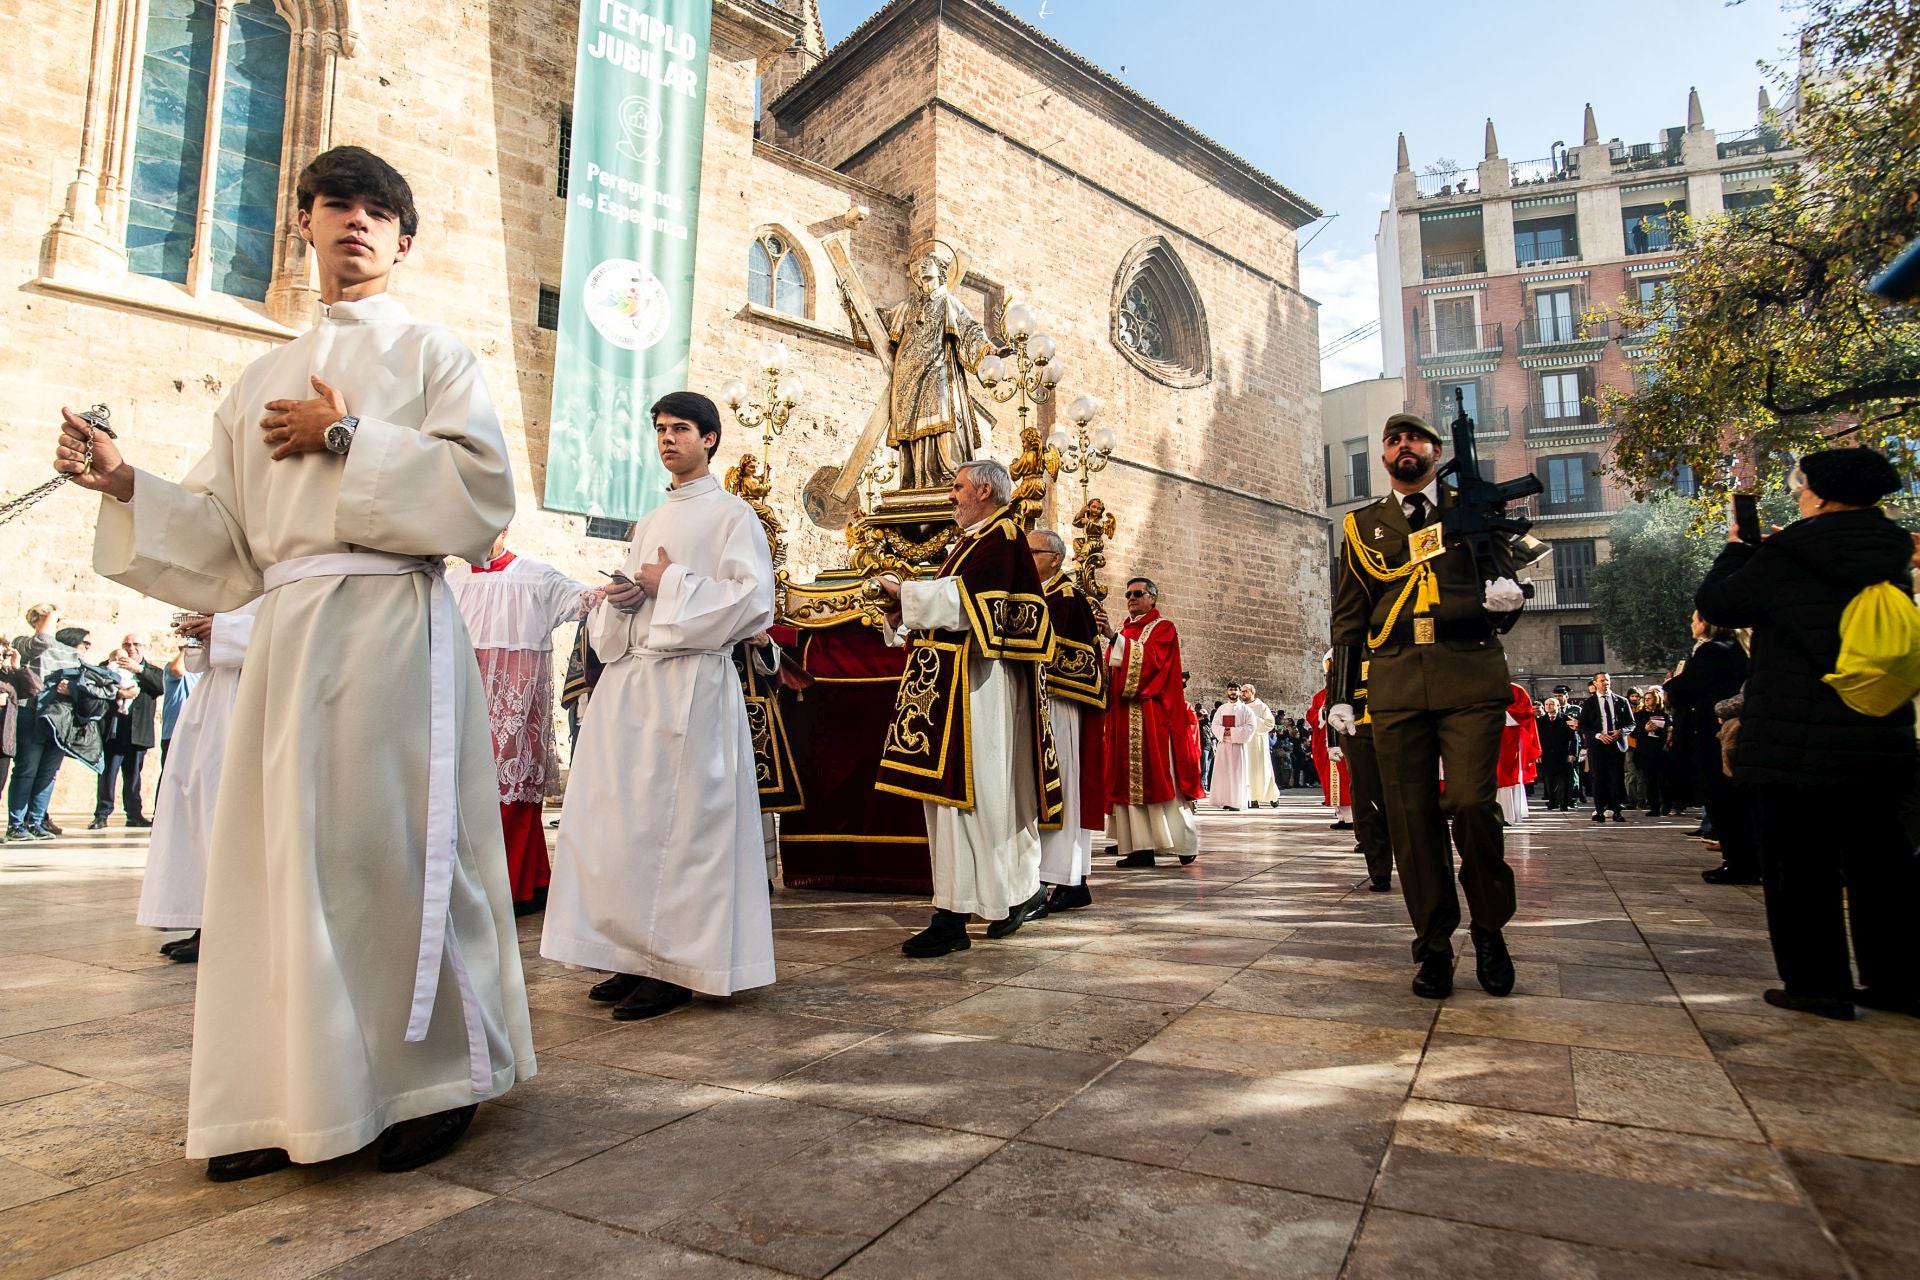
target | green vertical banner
[{"x": 626, "y": 286}]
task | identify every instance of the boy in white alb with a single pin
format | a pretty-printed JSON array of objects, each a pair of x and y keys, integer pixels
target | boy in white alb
[
  {"x": 360, "y": 976},
  {"x": 660, "y": 871}
]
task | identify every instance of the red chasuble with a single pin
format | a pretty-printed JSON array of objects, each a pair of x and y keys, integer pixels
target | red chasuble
[
  {"x": 1078, "y": 673},
  {"x": 1151, "y": 753},
  {"x": 929, "y": 750},
  {"x": 1336, "y": 784},
  {"x": 1519, "y": 744}
]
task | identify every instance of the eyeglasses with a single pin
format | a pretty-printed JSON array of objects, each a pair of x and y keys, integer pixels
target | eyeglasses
[{"x": 1135, "y": 595}]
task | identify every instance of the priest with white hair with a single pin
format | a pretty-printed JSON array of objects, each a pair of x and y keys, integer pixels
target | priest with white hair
[{"x": 970, "y": 736}]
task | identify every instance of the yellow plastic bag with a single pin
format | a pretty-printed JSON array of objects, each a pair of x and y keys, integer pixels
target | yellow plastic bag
[{"x": 1879, "y": 666}]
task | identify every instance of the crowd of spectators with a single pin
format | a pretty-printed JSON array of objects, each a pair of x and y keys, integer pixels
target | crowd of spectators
[{"x": 60, "y": 701}]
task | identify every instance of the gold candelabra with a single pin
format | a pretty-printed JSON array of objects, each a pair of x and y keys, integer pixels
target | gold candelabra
[
  {"x": 751, "y": 478},
  {"x": 1026, "y": 376},
  {"x": 876, "y": 474},
  {"x": 1084, "y": 453}
]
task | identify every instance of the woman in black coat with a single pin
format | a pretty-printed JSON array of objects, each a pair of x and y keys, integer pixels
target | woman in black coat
[
  {"x": 1829, "y": 780},
  {"x": 1714, "y": 673}
]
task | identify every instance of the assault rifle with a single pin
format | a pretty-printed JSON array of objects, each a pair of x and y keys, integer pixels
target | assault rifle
[{"x": 1479, "y": 513}]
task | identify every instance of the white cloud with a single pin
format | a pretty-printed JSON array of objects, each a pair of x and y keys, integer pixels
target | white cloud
[{"x": 1346, "y": 287}]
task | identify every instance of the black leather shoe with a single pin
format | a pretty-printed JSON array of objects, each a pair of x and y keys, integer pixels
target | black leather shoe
[
  {"x": 1724, "y": 874},
  {"x": 1617, "y": 817},
  {"x": 1699, "y": 833},
  {"x": 1380, "y": 884},
  {"x": 614, "y": 989},
  {"x": 1598, "y": 816},
  {"x": 947, "y": 933},
  {"x": 1017, "y": 915},
  {"x": 169, "y": 947},
  {"x": 651, "y": 999},
  {"x": 1339, "y": 826},
  {"x": 1435, "y": 979},
  {"x": 1069, "y": 897},
  {"x": 98, "y": 824},
  {"x": 137, "y": 822},
  {"x": 247, "y": 1164},
  {"x": 1142, "y": 858},
  {"x": 1188, "y": 859},
  {"x": 1820, "y": 1006},
  {"x": 188, "y": 952},
  {"x": 422, "y": 1140},
  {"x": 1491, "y": 963}
]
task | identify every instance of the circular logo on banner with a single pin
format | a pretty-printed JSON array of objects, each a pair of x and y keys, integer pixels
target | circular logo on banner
[{"x": 627, "y": 304}]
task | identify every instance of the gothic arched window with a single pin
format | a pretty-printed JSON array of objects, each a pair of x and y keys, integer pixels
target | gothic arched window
[
  {"x": 204, "y": 197},
  {"x": 775, "y": 278},
  {"x": 199, "y": 116},
  {"x": 1158, "y": 322}
]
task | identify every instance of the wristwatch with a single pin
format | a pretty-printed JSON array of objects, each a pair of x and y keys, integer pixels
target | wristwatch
[{"x": 340, "y": 434}]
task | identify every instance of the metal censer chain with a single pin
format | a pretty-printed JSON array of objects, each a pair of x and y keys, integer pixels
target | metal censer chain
[{"x": 12, "y": 507}]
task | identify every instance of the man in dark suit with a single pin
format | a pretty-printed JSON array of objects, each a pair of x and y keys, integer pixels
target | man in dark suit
[
  {"x": 1410, "y": 602},
  {"x": 130, "y": 736},
  {"x": 1557, "y": 750},
  {"x": 1605, "y": 720}
]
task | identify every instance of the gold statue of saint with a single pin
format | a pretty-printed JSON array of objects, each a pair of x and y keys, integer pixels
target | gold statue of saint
[{"x": 931, "y": 419}]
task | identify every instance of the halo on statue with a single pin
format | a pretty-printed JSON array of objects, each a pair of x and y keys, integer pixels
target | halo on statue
[{"x": 956, "y": 262}]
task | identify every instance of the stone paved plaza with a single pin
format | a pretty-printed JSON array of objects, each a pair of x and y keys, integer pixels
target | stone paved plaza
[{"x": 1218, "y": 1071}]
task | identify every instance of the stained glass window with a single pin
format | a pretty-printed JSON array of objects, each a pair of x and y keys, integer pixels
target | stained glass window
[
  {"x": 169, "y": 138},
  {"x": 774, "y": 276},
  {"x": 1140, "y": 326},
  {"x": 246, "y": 175},
  {"x": 171, "y": 141}
]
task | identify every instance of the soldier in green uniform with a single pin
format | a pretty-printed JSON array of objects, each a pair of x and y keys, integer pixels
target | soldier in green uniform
[{"x": 1412, "y": 605}]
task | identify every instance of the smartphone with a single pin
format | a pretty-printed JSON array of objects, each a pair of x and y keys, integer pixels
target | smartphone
[{"x": 1746, "y": 517}]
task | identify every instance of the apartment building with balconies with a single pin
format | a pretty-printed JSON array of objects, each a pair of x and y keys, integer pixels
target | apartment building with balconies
[{"x": 1504, "y": 282}]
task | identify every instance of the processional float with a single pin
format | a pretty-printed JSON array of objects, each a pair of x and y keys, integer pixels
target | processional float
[{"x": 944, "y": 369}]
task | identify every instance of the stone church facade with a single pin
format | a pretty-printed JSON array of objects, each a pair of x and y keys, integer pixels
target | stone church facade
[{"x": 148, "y": 182}]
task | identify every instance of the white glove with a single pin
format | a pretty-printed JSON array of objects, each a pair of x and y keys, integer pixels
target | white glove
[
  {"x": 1503, "y": 596},
  {"x": 1340, "y": 719},
  {"x": 1336, "y": 755}
]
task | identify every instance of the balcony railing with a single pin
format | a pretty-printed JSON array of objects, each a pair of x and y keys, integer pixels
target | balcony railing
[
  {"x": 1548, "y": 594},
  {"x": 1757, "y": 141},
  {"x": 1595, "y": 498},
  {"x": 1491, "y": 423},
  {"x": 1648, "y": 155},
  {"x": 1441, "y": 266},
  {"x": 1458, "y": 183},
  {"x": 1461, "y": 341},
  {"x": 1565, "y": 249},
  {"x": 1574, "y": 332},
  {"x": 1581, "y": 419},
  {"x": 1533, "y": 173}
]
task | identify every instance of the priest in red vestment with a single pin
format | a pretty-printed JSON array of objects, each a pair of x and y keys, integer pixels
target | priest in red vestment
[
  {"x": 1153, "y": 753},
  {"x": 1336, "y": 780},
  {"x": 1519, "y": 760}
]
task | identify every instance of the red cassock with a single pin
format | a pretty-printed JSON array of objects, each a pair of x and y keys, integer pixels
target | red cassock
[
  {"x": 1153, "y": 738},
  {"x": 1519, "y": 743},
  {"x": 1317, "y": 723}
]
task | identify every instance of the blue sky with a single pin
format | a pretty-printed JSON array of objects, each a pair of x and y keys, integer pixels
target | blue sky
[{"x": 1315, "y": 93}]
